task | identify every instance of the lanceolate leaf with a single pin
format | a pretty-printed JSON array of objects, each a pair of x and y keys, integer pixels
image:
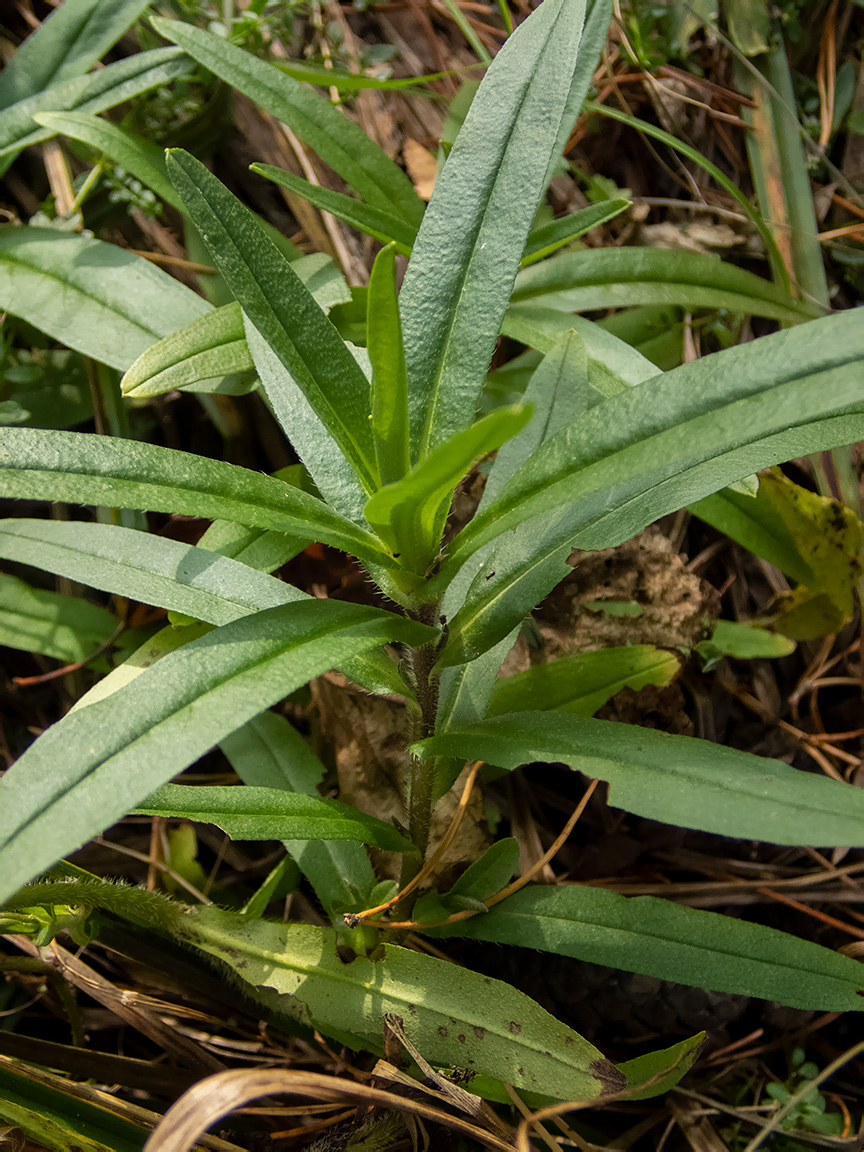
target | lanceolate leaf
[
  {"x": 389, "y": 384},
  {"x": 96, "y": 763},
  {"x": 409, "y": 514},
  {"x": 150, "y": 569},
  {"x": 284, "y": 312},
  {"x": 475, "y": 227},
  {"x": 211, "y": 346},
  {"x": 103, "y": 89},
  {"x": 250, "y": 813},
  {"x": 612, "y": 364},
  {"x": 382, "y": 225},
  {"x": 66, "y": 44},
  {"x": 269, "y": 752},
  {"x": 215, "y": 344},
  {"x": 93, "y": 297},
  {"x": 136, "y": 154},
  {"x": 338, "y": 141},
  {"x": 582, "y": 683},
  {"x": 63, "y": 627},
  {"x": 542, "y": 241},
  {"x": 680, "y": 425},
  {"x": 622, "y": 277},
  {"x": 676, "y": 779},
  {"x": 754, "y": 522},
  {"x": 80, "y": 468},
  {"x": 330, "y": 471},
  {"x": 673, "y": 942},
  {"x": 473, "y": 1022}
]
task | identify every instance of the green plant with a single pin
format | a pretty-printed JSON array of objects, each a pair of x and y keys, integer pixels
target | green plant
[
  {"x": 808, "y": 1110},
  {"x": 602, "y": 446}
]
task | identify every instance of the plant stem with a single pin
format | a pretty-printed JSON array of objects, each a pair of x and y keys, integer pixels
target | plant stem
[{"x": 422, "y": 778}]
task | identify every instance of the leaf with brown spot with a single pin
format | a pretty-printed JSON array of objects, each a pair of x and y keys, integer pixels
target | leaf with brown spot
[{"x": 499, "y": 1032}]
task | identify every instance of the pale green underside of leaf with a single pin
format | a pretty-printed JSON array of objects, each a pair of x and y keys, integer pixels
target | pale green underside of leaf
[
  {"x": 105, "y": 88},
  {"x": 622, "y": 277},
  {"x": 331, "y": 473},
  {"x": 214, "y": 344},
  {"x": 676, "y": 779},
  {"x": 150, "y": 569},
  {"x": 82, "y": 468},
  {"x": 180, "y": 577},
  {"x": 474, "y": 230},
  {"x": 269, "y": 752},
  {"x": 475, "y": 1022},
  {"x": 66, "y": 44},
  {"x": 93, "y": 297},
  {"x": 672, "y": 942},
  {"x": 256, "y": 813},
  {"x": 336, "y": 139},
  {"x": 91, "y": 767}
]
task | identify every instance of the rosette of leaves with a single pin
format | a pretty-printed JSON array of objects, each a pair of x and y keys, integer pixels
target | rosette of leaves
[{"x": 603, "y": 445}]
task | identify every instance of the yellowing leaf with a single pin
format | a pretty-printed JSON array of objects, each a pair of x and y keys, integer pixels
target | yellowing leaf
[{"x": 827, "y": 535}]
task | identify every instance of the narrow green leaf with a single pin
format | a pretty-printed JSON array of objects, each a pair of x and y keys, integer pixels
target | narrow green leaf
[
  {"x": 93, "y": 297},
  {"x": 473, "y": 1022},
  {"x": 74, "y": 466},
  {"x": 676, "y": 779},
  {"x": 105, "y": 88},
  {"x": 149, "y": 569},
  {"x": 492, "y": 872},
  {"x": 214, "y": 344},
  {"x": 755, "y": 523},
  {"x": 656, "y": 1073},
  {"x": 265, "y": 551},
  {"x": 743, "y": 642},
  {"x": 282, "y": 309},
  {"x": 475, "y": 227},
  {"x": 622, "y": 277},
  {"x": 598, "y": 17},
  {"x": 544, "y": 240},
  {"x": 376, "y": 222},
  {"x": 64, "y": 627},
  {"x": 250, "y": 813},
  {"x": 329, "y": 469},
  {"x": 582, "y": 683},
  {"x": 355, "y": 81},
  {"x": 673, "y": 942},
  {"x": 716, "y": 174},
  {"x": 66, "y": 44},
  {"x": 612, "y": 364},
  {"x": 91, "y": 767},
  {"x": 56, "y": 1114},
  {"x": 142, "y": 157},
  {"x": 687, "y": 420},
  {"x": 409, "y": 515},
  {"x": 338, "y": 141},
  {"x": 269, "y": 752},
  {"x": 559, "y": 392},
  {"x": 389, "y": 384}
]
